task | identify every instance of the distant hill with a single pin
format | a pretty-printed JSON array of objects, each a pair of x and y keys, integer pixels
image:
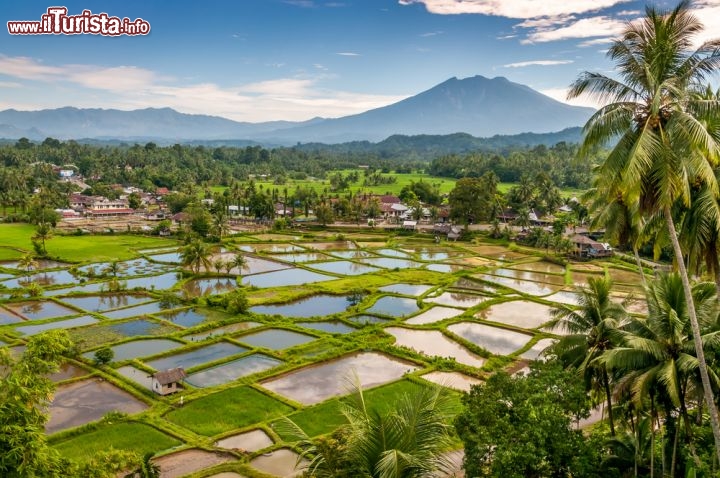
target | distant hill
[
  {"x": 477, "y": 106},
  {"x": 432, "y": 146}
]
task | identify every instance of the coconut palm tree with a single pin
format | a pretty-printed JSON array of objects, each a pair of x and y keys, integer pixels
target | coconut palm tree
[
  {"x": 408, "y": 441},
  {"x": 238, "y": 261},
  {"x": 657, "y": 354},
  {"x": 663, "y": 141},
  {"x": 591, "y": 330},
  {"x": 28, "y": 262},
  {"x": 196, "y": 255}
]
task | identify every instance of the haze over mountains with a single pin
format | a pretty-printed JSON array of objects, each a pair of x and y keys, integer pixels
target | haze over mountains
[{"x": 478, "y": 106}]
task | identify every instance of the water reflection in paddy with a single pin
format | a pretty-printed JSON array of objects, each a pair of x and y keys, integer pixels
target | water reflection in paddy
[
  {"x": 271, "y": 248},
  {"x": 225, "y": 330},
  {"x": 316, "y": 383},
  {"x": 406, "y": 289},
  {"x": 143, "y": 309},
  {"x": 242, "y": 367},
  {"x": 136, "y": 375},
  {"x": 251, "y": 441},
  {"x": 275, "y": 339},
  {"x": 41, "y": 264},
  {"x": 193, "y": 358},
  {"x": 455, "y": 380},
  {"x": 351, "y": 254},
  {"x": 171, "y": 257},
  {"x": 60, "y": 324},
  {"x": 285, "y": 278},
  {"x": 191, "y": 317},
  {"x": 315, "y": 305},
  {"x": 343, "y": 267},
  {"x": 391, "y": 253},
  {"x": 331, "y": 327},
  {"x": 527, "y": 287},
  {"x": 445, "y": 268},
  {"x": 564, "y": 297},
  {"x": 455, "y": 299},
  {"x": 530, "y": 276},
  {"x": 391, "y": 263},
  {"x": 44, "y": 279},
  {"x": 543, "y": 267},
  {"x": 135, "y": 267},
  {"x": 163, "y": 281},
  {"x": 520, "y": 313},
  {"x": 534, "y": 352},
  {"x": 434, "y": 314},
  {"x": 434, "y": 343},
  {"x": 99, "y": 303},
  {"x": 208, "y": 286},
  {"x": 40, "y": 310},
  {"x": 301, "y": 257},
  {"x": 7, "y": 317},
  {"x": 67, "y": 371},
  {"x": 493, "y": 339},
  {"x": 394, "y": 306},
  {"x": 365, "y": 319},
  {"x": 139, "y": 348},
  {"x": 136, "y": 327}
]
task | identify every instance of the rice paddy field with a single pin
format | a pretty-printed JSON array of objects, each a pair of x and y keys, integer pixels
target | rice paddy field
[{"x": 395, "y": 313}]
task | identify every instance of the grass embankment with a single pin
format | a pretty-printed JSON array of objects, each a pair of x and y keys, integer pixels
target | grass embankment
[
  {"x": 127, "y": 436},
  {"x": 227, "y": 410},
  {"x": 86, "y": 248}
]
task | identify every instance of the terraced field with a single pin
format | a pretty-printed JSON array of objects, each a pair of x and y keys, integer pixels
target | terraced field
[{"x": 396, "y": 312}]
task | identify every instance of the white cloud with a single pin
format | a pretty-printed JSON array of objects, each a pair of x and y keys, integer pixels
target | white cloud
[
  {"x": 583, "y": 28},
  {"x": 347, "y": 53},
  {"x": 594, "y": 42},
  {"x": 514, "y": 8},
  {"x": 432, "y": 34},
  {"x": 521, "y": 64},
  {"x": 132, "y": 87}
]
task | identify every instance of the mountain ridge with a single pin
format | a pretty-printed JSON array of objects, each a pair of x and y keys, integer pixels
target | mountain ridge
[{"x": 479, "y": 106}]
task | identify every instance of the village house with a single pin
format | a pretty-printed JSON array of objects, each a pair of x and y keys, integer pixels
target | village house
[
  {"x": 168, "y": 381},
  {"x": 585, "y": 247}
]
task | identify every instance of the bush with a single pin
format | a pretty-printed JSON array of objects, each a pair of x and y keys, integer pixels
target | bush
[{"x": 104, "y": 356}]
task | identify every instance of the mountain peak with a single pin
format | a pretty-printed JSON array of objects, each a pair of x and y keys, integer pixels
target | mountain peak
[{"x": 476, "y": 105}]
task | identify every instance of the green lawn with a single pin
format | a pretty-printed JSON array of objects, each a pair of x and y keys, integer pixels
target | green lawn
[
  {"x": 227, "y": 410},
  {"x": 323, "y": 185},
  {"x": 326, "y": 417},
  {"x": 135, "y": 437},
  {"x": 78, "y": 248}
]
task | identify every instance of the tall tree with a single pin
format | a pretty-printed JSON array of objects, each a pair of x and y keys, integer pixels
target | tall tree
[
  {"x": 196, "y": 255},
  {"x": 591, "y": 330},
  {"x": 662, "y": 129}
]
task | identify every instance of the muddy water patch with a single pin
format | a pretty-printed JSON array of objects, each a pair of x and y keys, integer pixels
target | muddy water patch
[
  {"x": 315, "y": 305},
  {"x": 434, "y": 344},
  {"x": 251, "y": 441},
  {"x": 434, "y": 314},
  {"x": 394, "y": 306},
  {"x": 285, "y": 278},
  {"x": 83, "y": 402},
  {"x": 60, "y": 324},
  {"x": 275, "y": 339},
  {"x": 455, "y": 380},
  {"x": 520, "y": 313},
  {"x": 242, "y": 367},
  {"x": 316, "y": 383},
  {"x": 493, "y": 339}
]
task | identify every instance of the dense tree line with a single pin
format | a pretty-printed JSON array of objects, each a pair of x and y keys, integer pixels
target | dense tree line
[{"x": 558, "y": 162}]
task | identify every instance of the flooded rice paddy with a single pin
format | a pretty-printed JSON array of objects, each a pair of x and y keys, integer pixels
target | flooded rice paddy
[{"x": 410, "y": 298}]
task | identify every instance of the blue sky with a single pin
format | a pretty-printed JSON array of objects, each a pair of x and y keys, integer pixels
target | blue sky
[{"x": 260, "y": 60}]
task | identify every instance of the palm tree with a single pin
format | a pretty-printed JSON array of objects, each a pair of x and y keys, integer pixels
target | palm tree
[
  {"x": 218, "y": 264},
  {"x": 113, "y": 268},
  {"x": 43, "y": 233},
  {"x": 662, "y": 128},
  {"x": 657, "y": 354},
  {"x": 592, "y": 330},
  {"x": 196, "y": 255},
  {"x": 238, "y": 261},
  {"x": 408, "y": 441},
  {"x": 28, "y": 262}
]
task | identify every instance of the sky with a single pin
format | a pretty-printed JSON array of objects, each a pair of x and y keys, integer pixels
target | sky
[{"x": 265, "y": 60}]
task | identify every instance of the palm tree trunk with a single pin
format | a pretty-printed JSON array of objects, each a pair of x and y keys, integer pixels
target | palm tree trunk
[
  {"x": 640, "y": 266},
  {"x": 697, "y": 337},
  {"x": 608, "y": 397},
  {"x": 717, "y": 280}
]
